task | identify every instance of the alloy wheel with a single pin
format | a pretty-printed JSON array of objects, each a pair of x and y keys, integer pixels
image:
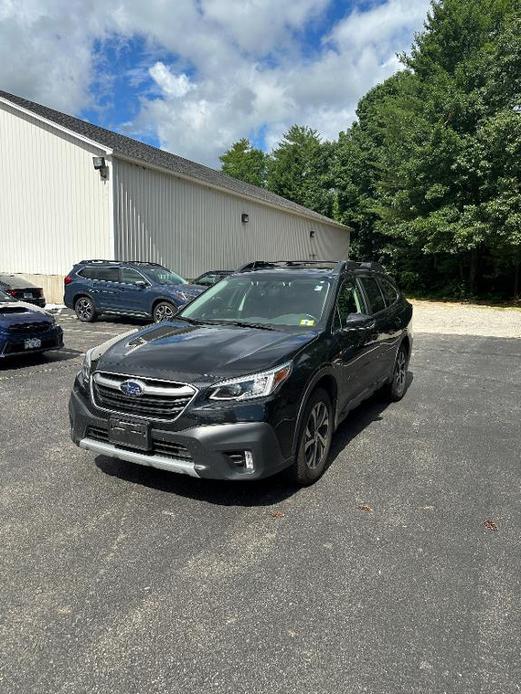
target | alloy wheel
[
  {"x": 316, "y": 435},
  {"x": 84, "y": 309},
  {"x": 163, "y": 312},
  {"x": 400, "y": 372}
]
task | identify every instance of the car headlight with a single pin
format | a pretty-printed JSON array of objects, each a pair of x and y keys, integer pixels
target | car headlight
[
  {"x": 86, "y": 367},
  {"x": 92, "y": 355},
  {"x": 248, "y": 387}
]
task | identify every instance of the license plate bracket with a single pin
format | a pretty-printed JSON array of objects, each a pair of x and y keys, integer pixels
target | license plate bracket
[
  {"x": 32, "y": 343},
  {"x": 129, "y": 434}
]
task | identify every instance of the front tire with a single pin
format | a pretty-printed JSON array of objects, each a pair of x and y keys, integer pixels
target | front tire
[
  {"x": 163, "y": 310},
  {"x": 85, "y": 309},
  {"x": 314, "y": 439}
]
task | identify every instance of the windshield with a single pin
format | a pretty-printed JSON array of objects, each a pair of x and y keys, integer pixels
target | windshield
[
  {"x": 160, "y": 275},
  {"x": 5, "y": 297},
  {"x": 270, "y": 301}
]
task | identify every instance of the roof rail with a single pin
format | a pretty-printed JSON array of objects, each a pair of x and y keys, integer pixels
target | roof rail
[
  {"x": 108, "y": 262},
  {"x": 338, "y": 265},
  {"x": 371, "y": 265}
]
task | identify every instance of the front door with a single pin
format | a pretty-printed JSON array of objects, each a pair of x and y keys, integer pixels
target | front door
[
  {"x": 353, "y": 344},
  {"x": 131, "y": 295}
]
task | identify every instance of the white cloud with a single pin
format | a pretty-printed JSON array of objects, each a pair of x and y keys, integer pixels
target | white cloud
[
  {"x": 170, "y": 84},
  {"x": 239, "y": 66}
]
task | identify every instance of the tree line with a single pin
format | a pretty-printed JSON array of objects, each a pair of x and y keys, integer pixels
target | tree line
[{"x": 429, "y": 174}]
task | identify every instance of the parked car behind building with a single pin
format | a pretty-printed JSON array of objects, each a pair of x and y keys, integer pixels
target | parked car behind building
[
  {"x": 145, "y": 290},
  {"x": 23, "y": 290}
]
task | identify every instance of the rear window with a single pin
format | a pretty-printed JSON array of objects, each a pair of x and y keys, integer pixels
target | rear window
[
  {"x": 14, "y": 282},
  {"x": 374, "y": 294}
]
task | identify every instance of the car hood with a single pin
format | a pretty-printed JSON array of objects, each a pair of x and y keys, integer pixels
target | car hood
[
  {"x": 190, "y": 291},
  {"x": 12, "y": 312},
  {"x": 179, "y": 351}
]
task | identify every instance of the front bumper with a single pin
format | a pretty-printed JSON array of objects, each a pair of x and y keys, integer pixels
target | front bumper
[
  {"x": 12, "y": 345},
  {"x": 209, "y": 451}
]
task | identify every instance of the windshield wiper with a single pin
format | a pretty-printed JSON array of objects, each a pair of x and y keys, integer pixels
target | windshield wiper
[
  {"x": 244, "y": 324},
  {"x": 193, "y": 321}
]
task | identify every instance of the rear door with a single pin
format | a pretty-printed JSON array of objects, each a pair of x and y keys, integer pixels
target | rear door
[
  {"x": 106, "y": 287},
  {"x": 392, "y": 321},
  {"x": 377, "y": 308}
]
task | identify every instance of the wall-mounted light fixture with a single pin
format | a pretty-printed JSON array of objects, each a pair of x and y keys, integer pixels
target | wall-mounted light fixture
[
  {"x": 312, "y": 234},
  {"x": 245, "y": 218},
  {"x": 101, "y": 166}
]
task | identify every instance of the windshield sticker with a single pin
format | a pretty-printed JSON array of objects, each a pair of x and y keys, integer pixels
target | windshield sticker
[
  {"x": 319, "y": 287},
  {"x": 307, "y": 322}
]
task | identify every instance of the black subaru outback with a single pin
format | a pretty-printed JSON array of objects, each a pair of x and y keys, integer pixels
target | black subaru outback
[{"x": 252, "y": 377}]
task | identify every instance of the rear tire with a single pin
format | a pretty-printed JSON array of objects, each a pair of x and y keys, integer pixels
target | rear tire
[
  {"x": 314, "y": 440},
  {"x": 163, "y": 310},
  {"x": 397, "y": 386},
  {"x": 85, "y": 309}
]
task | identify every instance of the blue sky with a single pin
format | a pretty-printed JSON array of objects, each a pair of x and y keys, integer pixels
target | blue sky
[{"x": 193, "y": 76}]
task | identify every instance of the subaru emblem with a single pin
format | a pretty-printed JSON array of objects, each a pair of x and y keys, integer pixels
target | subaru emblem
[{"x": 132, "y": 388}]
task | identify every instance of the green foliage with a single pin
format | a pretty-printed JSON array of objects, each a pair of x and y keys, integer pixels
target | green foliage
[
  {"x": 432, "y": 167},
  {"x": 429, "y": 175},
  {"x": 299, "y": 168},
  {"x": 245, "y": 162}
]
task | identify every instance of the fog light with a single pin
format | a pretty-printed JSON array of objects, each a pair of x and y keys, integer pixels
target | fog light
[{"x": 248, "y": 460}]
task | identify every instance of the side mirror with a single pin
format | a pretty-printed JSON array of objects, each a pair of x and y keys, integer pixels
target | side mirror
[
  {"x": 141, "y": 284},
  {"x": 355, "y": 321}
]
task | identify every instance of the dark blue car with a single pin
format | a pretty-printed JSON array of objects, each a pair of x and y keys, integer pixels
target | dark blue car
[
  {"x": 25, "y": 329},
  {"x": 143, "y": 290}
]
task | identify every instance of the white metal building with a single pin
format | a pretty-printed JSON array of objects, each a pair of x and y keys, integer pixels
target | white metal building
[{"x": 56, "y": 208}]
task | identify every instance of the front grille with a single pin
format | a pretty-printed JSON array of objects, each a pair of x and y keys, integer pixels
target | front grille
[
  {"x": 167, "y": 449},
  {"x": 97, "y": 434},
  {"x": 30, "y": 327},
  {"x": 160, "y": 399}
]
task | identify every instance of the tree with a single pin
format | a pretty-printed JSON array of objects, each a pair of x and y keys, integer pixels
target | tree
[
  {"x": 300, "y": 169},
  {"x": 245, "y": 162},
  {"x": 430, "y": 172}
]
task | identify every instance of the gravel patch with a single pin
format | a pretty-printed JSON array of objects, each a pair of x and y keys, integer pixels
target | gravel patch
[{"x": 465, "y": 319}]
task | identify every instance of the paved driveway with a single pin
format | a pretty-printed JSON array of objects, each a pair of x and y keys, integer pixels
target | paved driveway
[{"x": 381, "y": 578}]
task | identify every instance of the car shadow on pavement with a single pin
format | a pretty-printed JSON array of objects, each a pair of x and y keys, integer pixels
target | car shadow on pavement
[
  {"x": 360, "y": 418},
  {"x": 266, "y": 492},
  {"x": 40, "y": 359}
]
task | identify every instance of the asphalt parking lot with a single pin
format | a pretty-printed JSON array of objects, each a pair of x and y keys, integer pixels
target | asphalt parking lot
[{"x": 399, "y": 571}]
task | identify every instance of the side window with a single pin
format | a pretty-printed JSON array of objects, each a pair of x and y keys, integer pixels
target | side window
[
  {"x": 89, "y": 273},
  {"x": 129, "y": 276},
  {"x": 389, "y": 291},
  {"x": 349, "y": 301},
  {"x": 372, "y": 289},
  {"x": 108, "y": 274}
]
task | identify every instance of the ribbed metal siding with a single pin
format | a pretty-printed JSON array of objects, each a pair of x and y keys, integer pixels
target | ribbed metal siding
[
  {"x": 193, "y": 228},
  {"x": 54, "y": 208}
]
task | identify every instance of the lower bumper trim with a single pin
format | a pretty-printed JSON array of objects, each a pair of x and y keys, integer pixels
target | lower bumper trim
[{"x": 158, "y": 461}]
